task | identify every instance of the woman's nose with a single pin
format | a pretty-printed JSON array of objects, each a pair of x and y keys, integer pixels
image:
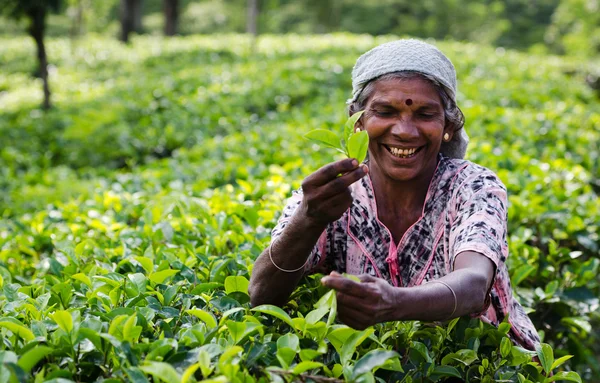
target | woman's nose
[{"x": 405, "y": 129}]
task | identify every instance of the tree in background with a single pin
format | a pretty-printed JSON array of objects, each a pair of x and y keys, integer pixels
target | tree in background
[
  {"x": 575, "y": 28},
  {"x": 171, "y": 9},
  {"x": 131, "y": 18},
  {"x": 35, "y": 11},
  {"x": 252, "y": 18}
]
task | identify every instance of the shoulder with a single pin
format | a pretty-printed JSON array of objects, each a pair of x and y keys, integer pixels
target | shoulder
[{"x": 469, "y": 177}]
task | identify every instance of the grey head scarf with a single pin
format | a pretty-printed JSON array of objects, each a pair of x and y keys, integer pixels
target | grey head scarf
[{"x": 415, "y": 56}]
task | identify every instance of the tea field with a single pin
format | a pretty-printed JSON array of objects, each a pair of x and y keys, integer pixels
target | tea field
[{"x": 132, "y": 212}]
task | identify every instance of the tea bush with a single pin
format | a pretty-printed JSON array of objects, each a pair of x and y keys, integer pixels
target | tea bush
[{"x": 133, "y": 211}]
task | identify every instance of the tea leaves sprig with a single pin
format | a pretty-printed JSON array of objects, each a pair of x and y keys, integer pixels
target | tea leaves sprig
[{"x": 353, "y": 143}]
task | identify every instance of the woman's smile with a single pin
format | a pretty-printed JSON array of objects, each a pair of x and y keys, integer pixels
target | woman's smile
[{"x": 403, "y": 152}]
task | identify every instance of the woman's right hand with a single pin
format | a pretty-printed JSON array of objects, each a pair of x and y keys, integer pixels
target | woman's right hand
[{"x": 327, "y": 196}]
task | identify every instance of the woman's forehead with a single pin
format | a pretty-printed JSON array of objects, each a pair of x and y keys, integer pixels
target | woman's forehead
[{"x": 394, "y": 90}]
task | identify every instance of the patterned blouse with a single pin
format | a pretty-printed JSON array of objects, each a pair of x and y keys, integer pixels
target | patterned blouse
[{"x": 465, "y": 210}]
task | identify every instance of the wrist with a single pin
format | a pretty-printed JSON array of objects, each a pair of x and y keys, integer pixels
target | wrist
[
  {"x": 401, "y": 309},
  {"x": 308, "y": 223}
]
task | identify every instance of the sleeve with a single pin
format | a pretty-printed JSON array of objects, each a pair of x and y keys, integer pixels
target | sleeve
[
  {"x": 316, "y": 260},
  {"x": 480, "y": 222}
]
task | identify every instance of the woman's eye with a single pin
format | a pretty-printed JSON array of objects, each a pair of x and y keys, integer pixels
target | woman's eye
[
  {"x": 427, "y": 116},
  {"x": 383, "y": 113}
]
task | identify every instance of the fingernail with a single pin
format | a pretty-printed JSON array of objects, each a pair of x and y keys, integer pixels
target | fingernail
[
  {"x": 365, "y": 168},
  {"x": 354, "y": 163}
]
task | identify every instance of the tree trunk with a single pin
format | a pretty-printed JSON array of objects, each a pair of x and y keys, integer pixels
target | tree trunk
[
  {"x": 131, "y": 18},
  {"x": 77, "y": 25},
  {"x": 252, "y": 17},
  {"x": 171, "y": 16},
  {"x": 36, "y": 30},
  {"x": 137, "y": 16}
]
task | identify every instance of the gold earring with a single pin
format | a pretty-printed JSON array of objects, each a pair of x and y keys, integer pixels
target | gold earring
[{"x": 446, "y": 137}]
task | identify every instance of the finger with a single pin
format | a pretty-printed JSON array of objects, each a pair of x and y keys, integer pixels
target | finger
[
  {"x": 346, "y": 286},
  {"x": 341, "y": 184},
  {"x": 356, "y": 313},
  {"x": 330, "y": 172},
  {"x": 352, "y": 302},
  {"x": 367, "y": 278}
]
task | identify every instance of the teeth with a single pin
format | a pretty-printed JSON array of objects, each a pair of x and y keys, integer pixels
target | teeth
[{"x": 402, "y": 152}]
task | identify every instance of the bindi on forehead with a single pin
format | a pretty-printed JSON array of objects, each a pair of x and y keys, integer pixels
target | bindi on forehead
[{"x": 408, "y": 101}]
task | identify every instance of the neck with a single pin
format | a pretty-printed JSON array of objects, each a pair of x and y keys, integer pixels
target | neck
[{"x": 399, "y": 197}]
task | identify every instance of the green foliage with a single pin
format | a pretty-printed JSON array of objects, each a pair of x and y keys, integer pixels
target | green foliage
[
  {"x": 575, "y": 28},
  {"x": 132, "y": 213},
  {"x": 354, "y": 144}
]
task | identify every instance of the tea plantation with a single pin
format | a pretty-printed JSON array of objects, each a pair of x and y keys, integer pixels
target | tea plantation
[{"x": 132, "y": 212}]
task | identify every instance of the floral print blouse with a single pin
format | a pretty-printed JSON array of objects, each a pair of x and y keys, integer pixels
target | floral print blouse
[{"x": 465, "y": 210}]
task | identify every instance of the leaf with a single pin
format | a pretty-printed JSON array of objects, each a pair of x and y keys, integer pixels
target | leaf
[
  {"x": 146, "y": 263},
  {"x": 161, "y": 371},
  {"x": 285, "y": 356},
  {"x": 558, "y": 362},
  {"x": 324, "y": 136},
  {"x": 328, "y": 300},
  {"x": 358, "y": 145},
  {"x": 569, "y": 376},
  {"x": 445, "y": 371},
  {"x": 236, "y": 283},
  {"x": 316, "y": 315},
  {"x": 290, "y": 341},
  {"x": 32, "y": 357},
  {"x": 352, "y": 343},
  {"x": 418, "y": 353},
  {"x": 338, "y": 336},
  {"x": 350, "y": 123},
  {"x": 63, "y": 319},
  {"x": 276, "y": 312},
  {"x": 546, "y": 356},
  {"x": 464, "y": 356},
  {"x": 505, "y": 347},
  {"x": 82, "y": 278},
  {"x": 204, "y": 316},
  {"x": 305, "y": 366},
  {"x": 521, "y": 273},
  {"x": 189, "y": 372},
  {"x": 161, "y": 276},
  {"x": 580, "y": 323},
  {"x": 371, "y": 360},
  {"x": 239, "y": 330},
  {"x": 18, "y": 330}
]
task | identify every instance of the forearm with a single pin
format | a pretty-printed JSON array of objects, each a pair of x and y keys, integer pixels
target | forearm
[
  {"x": 435, "y": 301},
  {"x": 290, "y": 251}
]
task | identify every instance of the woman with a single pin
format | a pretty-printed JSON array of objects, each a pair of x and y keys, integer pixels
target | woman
[{"x": 424, "y": 229}]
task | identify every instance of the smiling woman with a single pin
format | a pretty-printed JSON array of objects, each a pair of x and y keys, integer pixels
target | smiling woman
[{"x": 424, "y": 229}]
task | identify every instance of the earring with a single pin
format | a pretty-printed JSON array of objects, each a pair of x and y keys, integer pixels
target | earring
[{"x": 446, "y": 137}]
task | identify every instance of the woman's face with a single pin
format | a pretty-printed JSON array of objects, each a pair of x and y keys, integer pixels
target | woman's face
[{"x": 405, "y": 121}]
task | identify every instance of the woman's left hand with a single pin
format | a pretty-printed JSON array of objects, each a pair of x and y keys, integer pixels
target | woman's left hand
[{"x": 363, "y": 304}]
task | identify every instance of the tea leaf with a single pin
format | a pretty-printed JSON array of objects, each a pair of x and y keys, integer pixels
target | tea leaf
[
  {"x": 325, "y": 137},
  {"x": 371, "y": 360},
  {"x": 276, "y": 312},
  {"x": 358, "y": 145}
]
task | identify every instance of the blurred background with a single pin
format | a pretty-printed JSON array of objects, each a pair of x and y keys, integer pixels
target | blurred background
[
  {"x": 551, "y": 26},
  {"x": 178, "y": 124}
]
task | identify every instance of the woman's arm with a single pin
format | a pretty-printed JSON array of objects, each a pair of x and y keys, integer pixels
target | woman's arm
[
  {"x": 361, "y": 305},
  {"x": 326, "y": 197},
  {"x": 270, "y": 285}
]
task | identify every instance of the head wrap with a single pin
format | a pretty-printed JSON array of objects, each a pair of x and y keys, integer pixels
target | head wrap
[{"x": 414, "y": 56}]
